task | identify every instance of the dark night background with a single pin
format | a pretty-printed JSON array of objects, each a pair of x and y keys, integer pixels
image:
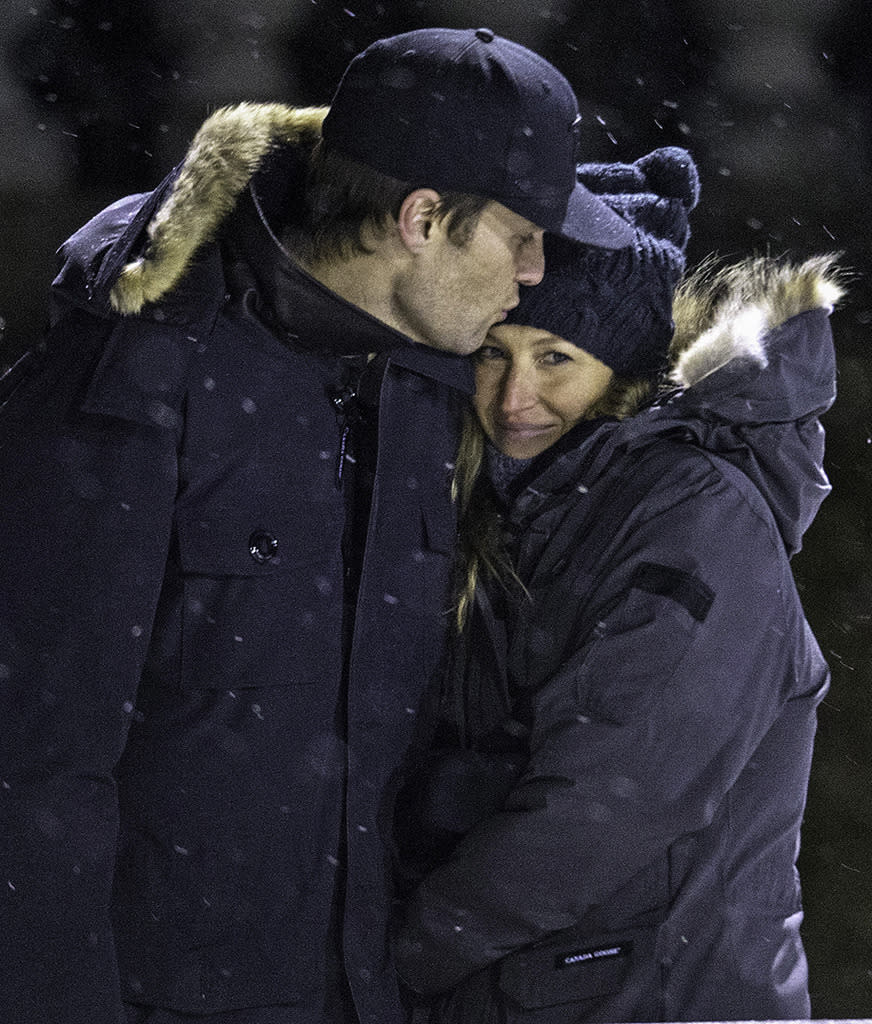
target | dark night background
[{"x": 99, "y": 98}]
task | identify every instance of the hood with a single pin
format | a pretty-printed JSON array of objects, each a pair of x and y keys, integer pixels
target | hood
[
  {"x": 138, "y": 251},
  {"x": 757, "y": 366},
  {"x": 753, "y": 368},
  {"x": 742, "y": 349}
]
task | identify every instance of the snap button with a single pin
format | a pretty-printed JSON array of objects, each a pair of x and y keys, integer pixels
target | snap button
[
  {"x": 485, "y": 35},
  {"x": 262, "y": 546}
]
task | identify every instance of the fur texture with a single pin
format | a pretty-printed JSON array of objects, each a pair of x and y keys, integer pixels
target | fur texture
[
  {"x": 723, "y": 314},
  {"x": 224, "y": 155}
]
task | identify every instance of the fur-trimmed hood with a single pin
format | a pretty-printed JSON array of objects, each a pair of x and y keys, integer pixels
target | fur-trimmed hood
[
  {"x": 226, "y": 153},
  {"x": 135, "y": 253},
  {"x": 756, "y": 359},
  {"x": 727, "y": 316}
]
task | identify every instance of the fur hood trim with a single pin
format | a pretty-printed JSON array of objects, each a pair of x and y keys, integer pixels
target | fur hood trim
[
  {"x": 225, "y": 154},
  {"x": 724, "y": 314}
]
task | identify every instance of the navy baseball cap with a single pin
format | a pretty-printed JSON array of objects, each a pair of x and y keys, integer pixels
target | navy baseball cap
[{"x": 465, "y": 110}]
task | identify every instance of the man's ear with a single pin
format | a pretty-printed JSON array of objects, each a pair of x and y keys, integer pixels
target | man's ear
[{"x": 415, "y": 219}]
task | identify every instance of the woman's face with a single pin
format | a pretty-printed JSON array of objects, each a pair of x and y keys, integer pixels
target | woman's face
[{"x": 532, "y": 386}]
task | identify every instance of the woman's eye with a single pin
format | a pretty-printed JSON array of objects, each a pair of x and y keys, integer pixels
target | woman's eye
[{"x": 556, "y": 358}]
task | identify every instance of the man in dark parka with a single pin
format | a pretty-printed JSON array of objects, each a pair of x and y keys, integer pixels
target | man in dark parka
[{"x": 207, "y": 678}]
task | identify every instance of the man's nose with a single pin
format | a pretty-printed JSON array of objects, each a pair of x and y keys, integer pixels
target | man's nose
[{"x": 531, "y": 261}]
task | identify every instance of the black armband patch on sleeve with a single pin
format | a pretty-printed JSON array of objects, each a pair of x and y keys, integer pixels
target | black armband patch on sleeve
[{"x": 684, "y": 588}]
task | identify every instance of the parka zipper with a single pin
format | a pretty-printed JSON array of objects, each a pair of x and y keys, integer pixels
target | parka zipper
[{"x": 348, "y": 412}]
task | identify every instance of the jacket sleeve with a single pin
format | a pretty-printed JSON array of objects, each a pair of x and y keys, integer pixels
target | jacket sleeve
[
  {"x": 86, "y": 515},
  {"x": 638, "y": 735}
]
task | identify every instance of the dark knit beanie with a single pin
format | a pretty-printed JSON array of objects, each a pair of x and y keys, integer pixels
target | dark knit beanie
[{"x": 617, "y": 304}]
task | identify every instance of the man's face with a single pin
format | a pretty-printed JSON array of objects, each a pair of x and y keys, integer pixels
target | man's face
[{"x": 453, "y": 294}]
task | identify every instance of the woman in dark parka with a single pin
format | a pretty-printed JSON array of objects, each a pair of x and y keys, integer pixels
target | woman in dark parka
[{"x": 649, "y": 669}]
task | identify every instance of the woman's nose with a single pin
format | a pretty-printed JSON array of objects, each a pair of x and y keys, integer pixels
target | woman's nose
[{"x": 518, "y": 390}]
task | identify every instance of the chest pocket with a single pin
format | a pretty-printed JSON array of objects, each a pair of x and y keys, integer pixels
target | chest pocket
[{"x": 261, "y": 599}]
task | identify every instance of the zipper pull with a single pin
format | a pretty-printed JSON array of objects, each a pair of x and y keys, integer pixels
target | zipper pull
[
  {"x": 344, "y": 404},
  {"x": 343, "y": 445}
]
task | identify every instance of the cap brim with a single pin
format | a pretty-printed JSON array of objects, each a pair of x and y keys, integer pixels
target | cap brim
[{"x": 589, "y": 220}]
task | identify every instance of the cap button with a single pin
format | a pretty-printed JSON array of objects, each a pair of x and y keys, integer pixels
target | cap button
[{"x": 485, "y": 35}]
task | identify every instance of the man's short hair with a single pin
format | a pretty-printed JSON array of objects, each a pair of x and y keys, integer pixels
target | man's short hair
[{"x": 344, "y": 196}]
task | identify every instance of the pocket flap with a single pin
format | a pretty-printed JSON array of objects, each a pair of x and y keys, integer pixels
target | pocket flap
[
  {"x": 219, "y": 546},
  {"x": 225, "y": 543}
]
